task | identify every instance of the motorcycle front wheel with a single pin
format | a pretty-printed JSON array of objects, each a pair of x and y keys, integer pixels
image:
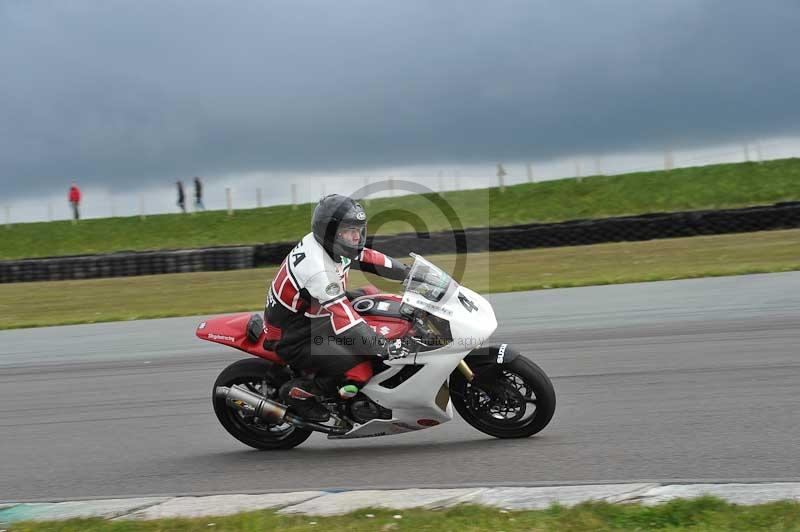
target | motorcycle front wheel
[
  {"x": 255, "y": 374},
  {"x": 517, "y": 401}
]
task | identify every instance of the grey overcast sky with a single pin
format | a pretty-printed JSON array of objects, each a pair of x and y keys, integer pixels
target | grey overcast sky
[{"x": 138, "y": 92}]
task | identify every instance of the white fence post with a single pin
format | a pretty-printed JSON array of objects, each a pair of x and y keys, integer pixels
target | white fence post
[
  {"x": 366, "y": 186},
  {"x": 294, "y": 196},
  {"x": 49, "y": 211},
  {"x": 598, "y": 168},
  {"x": 668, "y": 161},
  {"x": 746, "y": 152},
  {"x": 229, "y": 201},
  {"x": 759, "y": 155},
  {"x": 258, "y": 197},
  {"x": 529, "y": 172},
  {"x": 141, "y": 207},
  {"x": 500, "y": 173}
]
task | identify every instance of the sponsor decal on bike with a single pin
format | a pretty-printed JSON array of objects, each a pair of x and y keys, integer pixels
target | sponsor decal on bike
[
  {"x": 467, "y": 302},
  {"x": 501, "y": 353},
  {"x": 299, "y": 393},
  {"x": 212, "y": 336},
  {"x": 366, "y": 435},
  {"x": 431, "y": 307},
  {"x": 202, "y": 326}
]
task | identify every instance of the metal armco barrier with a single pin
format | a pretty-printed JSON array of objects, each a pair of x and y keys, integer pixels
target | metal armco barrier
[{"x": 572, "y": 233}]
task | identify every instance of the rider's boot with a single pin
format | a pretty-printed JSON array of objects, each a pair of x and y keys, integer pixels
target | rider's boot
[
  {"x": 348, "y": 391},
  {"x": 334, "y": 385},
  {"x": 302, "y": 395}
]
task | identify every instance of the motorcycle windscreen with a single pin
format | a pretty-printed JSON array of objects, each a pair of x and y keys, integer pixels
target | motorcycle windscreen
[{"x": 430, "y": 288}]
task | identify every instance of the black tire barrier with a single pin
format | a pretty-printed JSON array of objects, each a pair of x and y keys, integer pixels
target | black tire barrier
[
  {"x": 585, "y": 232},
  {"x": 572, "y": 233},
  {"x": 124, "y": 264}
]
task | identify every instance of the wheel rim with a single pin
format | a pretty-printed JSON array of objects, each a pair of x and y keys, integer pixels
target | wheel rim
[
  {"x": 251, "y": 424},
  {"x": 510, "y": 403}
]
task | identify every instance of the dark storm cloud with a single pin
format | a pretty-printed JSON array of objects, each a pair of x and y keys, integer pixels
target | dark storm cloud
[{"x": 136, "y": 91}]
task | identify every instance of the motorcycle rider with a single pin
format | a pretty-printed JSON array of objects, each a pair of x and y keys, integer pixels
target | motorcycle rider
[{"x": 308, "y": 301}]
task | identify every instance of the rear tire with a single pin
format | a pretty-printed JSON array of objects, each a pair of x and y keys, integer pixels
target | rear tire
[
  {"x": 255, "y": 374},
  {"x": 523, "y": 384}
]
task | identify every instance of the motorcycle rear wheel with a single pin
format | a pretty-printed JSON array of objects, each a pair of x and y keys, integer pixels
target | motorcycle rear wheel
[
  {"x": 521, "y": 403},
  {"x": 255, "y": 375}
]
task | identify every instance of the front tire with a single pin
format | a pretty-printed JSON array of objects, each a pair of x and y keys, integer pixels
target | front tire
[
  {"x": 256, "y": 375},
  {"x": 519, "y": 401}
]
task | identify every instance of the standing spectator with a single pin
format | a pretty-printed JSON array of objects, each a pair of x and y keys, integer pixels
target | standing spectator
[
  {"x": 181, "y": 197},
  {"x": 75, "y": 200},
  {"x": 198, "y": 195}
]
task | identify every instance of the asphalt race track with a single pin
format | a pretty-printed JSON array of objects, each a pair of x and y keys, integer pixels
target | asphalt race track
[{"x": 671, "y": 381}]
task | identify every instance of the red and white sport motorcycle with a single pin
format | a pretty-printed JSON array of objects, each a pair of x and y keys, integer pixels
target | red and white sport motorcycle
[{"x": 494, "y": 388}]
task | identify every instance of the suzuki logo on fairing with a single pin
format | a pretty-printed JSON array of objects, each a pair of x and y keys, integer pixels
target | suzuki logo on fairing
[
  {"x": 385, "y": 330},
  {"x": 501, "y": 353}
]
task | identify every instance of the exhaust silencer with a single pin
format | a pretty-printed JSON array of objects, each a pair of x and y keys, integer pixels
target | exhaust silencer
[{"x": 243, "y": 399}]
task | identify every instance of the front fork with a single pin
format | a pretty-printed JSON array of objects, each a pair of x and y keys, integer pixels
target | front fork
[{"x": 465, "y": 370}]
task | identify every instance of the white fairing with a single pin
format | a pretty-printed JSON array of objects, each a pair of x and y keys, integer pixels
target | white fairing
[{"x": 414, "y": 402}]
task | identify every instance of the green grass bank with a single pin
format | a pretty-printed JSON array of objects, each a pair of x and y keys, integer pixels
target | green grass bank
[
  {"x": 707, "y": 187},
  {"x": 702, "y": 514}
]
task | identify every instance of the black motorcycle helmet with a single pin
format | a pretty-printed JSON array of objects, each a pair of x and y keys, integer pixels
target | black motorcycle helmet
[{"x": 332, "y": 215}]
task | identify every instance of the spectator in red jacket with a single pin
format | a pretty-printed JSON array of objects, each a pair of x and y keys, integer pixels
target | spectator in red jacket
[{"x": 75, "y": 199}]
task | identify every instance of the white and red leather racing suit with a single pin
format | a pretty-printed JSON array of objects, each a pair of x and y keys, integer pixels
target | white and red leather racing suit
[{"x": 308, "y": 301}]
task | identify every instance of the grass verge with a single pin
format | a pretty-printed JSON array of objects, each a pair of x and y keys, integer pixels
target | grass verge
[
  {"x": 702, "y": 514},
  {"x": 157, "y": 296},
  {"x": 707, "y": 187}
]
